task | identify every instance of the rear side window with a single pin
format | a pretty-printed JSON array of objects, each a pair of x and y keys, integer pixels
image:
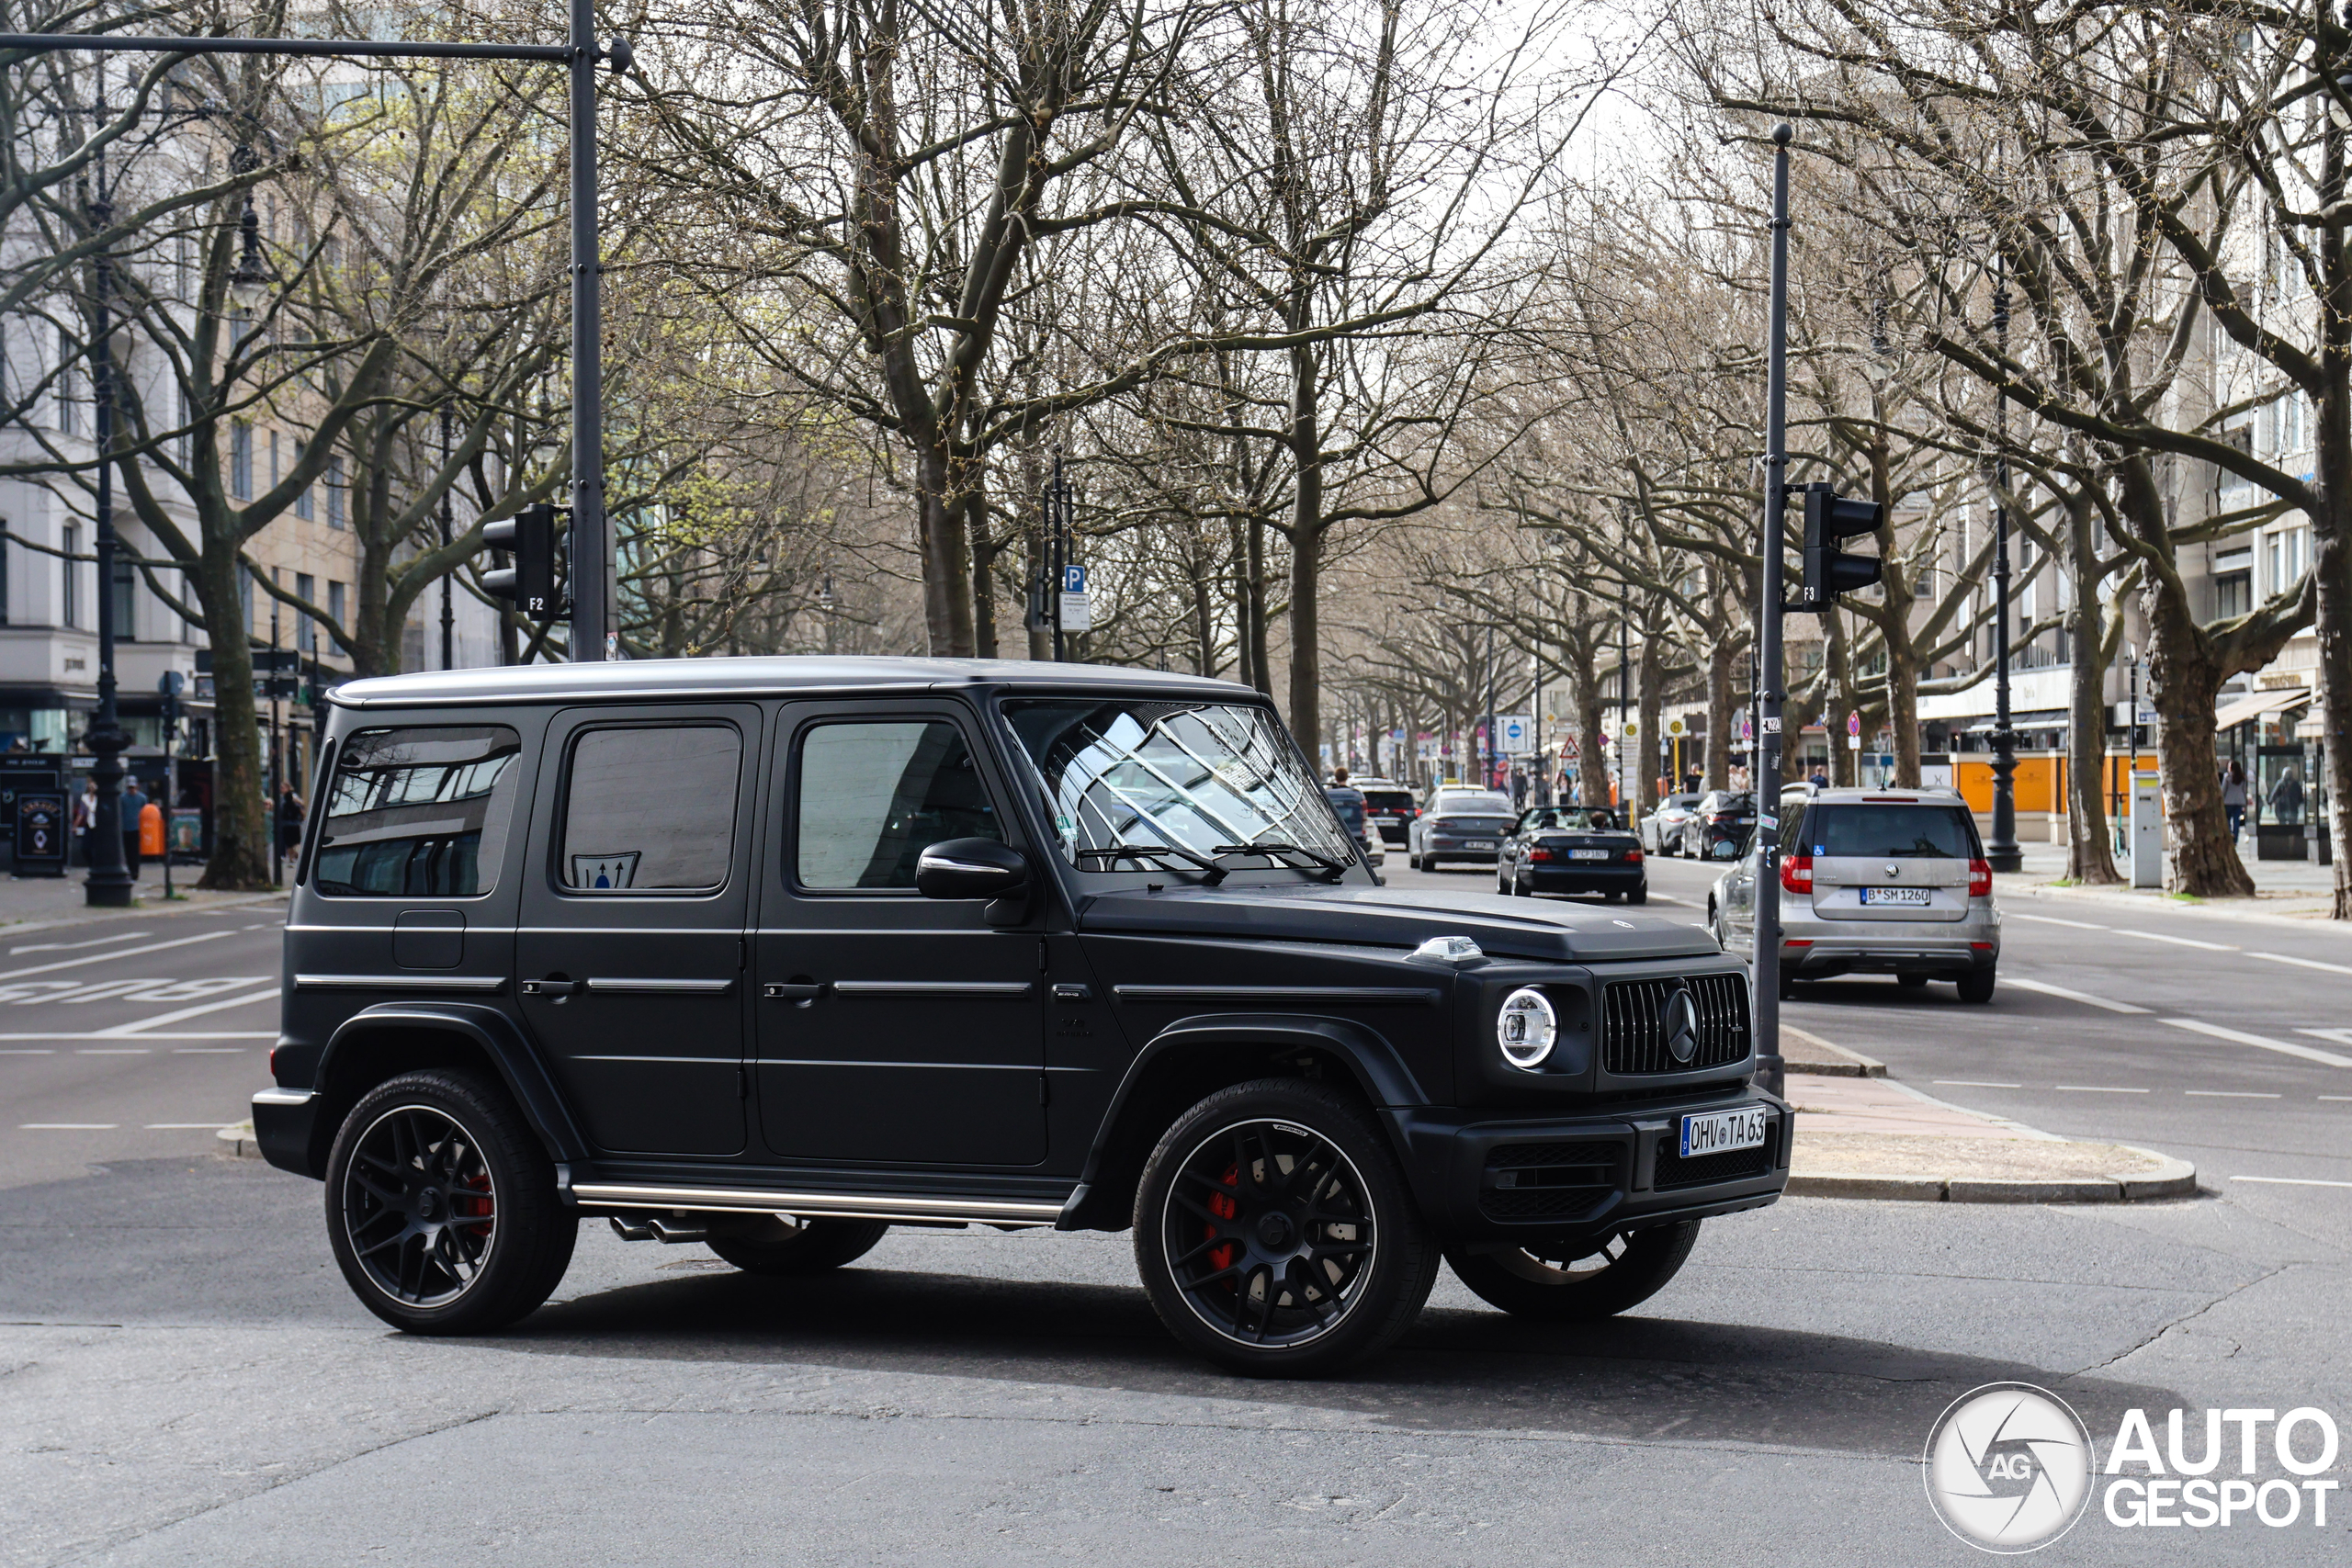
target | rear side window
[
  {"x": 874, "y": 796},
  {"x": 650, "y": 809},
  {"x": 1349, "y": 805},
  {"x": 1388, "y": 799},
  {"x": 1476, "y": 805},
  {"x": 1890, "y": 832},
  {"x": 419, "y": 813}
]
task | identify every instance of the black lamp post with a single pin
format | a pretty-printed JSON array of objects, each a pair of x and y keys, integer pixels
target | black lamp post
[
  {"x": 109, "y": 884},
  {"x": 2001, "y": 850}
]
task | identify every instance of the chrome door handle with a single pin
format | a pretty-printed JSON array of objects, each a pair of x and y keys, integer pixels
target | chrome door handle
[
  {"x": 779, "y": 991},
  {"x": 549, "y": 987}
]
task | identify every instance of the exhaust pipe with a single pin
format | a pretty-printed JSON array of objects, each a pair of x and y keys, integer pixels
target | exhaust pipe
[{"x": 671, "y": 1228}]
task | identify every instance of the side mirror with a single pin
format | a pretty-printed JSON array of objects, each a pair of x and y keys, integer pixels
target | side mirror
[{"x": 972, "y": 868}]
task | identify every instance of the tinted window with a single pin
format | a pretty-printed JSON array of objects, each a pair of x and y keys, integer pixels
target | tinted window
[
  {"x": 1349, "y": 805},
  {"x": 1390, "y": 799},
  {"x": 418, "y": 813},
  {"x": 874, "y": 796},
  {"x": 650, "y": 809},
  {"x": 1892, "y": 832},
  {"x": 1476, "y": 805}
]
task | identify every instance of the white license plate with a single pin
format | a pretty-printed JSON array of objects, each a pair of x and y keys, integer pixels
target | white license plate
[
  {"x": 1914, "y": 896},
  {"x": 1587, "y": 854},
  {"x": 1720, "y": 1132},
  {"x": 1478, "y": 843}
]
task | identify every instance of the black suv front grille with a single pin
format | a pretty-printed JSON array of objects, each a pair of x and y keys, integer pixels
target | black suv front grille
[
  {"x": 1633, "y": 1037},
  {"x": 1548, "y": 1181},
  {"x": 1673, "y": 1170}
]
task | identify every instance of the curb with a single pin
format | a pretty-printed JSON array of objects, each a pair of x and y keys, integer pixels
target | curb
[
  {"x": 237, "y": 1141},
  {"x": 1841, "y": 1063},
  {"x": 2171, "y": 1178},
  {"x": 235, "y": 900}
]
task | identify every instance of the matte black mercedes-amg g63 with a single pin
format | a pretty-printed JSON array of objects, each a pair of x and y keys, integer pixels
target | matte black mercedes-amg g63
[{"x": 775, "y": 954}]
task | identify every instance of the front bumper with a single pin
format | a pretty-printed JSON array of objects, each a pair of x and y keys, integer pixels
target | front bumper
[
  {"x": 1487, "y": 1182},
  {"x": 284, "y": 1123}
]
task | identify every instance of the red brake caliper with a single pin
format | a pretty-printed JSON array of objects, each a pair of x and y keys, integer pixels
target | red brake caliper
[
  {"x": 1224, "y": 1207},
  {"x": 474, "y": 1208}
]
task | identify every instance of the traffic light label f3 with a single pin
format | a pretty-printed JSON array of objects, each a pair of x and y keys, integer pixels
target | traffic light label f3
[{"x": 1830, "y": 571}]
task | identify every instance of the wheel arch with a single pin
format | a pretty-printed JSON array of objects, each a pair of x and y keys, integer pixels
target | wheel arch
[
  {"x": 1193, "y": 1058},
  {"x": 391, "y": 1038}
]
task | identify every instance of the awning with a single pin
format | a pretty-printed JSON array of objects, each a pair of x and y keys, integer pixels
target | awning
[
  {"x": 2045, "y": 718},
  {"x": 2260, "y": 703}
]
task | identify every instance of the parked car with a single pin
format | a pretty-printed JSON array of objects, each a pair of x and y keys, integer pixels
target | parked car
[
  {"x": 1460, "y": 825},
  {"x": 1573, "y": 849},
  {"x": 1874, "y": 882},
  {"x": 1389, "y": 806},
  {"x": 1348, "y": 804},
  {"x": 771, "y": 954},
  {"x": 1661, "y": 830},
  {"x": 1719, "y": 824}
]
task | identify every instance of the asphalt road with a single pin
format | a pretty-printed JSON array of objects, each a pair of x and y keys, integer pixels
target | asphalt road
[{"x": 188, "y": 1381}]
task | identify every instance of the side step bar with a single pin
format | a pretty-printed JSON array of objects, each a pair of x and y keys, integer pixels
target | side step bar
[{"x": 816, "y": 1205}]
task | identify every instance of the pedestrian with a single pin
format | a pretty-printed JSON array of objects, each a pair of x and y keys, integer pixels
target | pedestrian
[
  {"x": 289, "y": 815},
  {"x": 1819, "y": 780},
  {"x": 2286, "y": 798},
  {"x": 2233, "y": 796},
  {"x": 85, "y": 811},
  {"x": 133, "y": 804}
]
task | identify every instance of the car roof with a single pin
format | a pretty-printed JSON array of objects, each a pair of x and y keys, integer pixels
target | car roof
[
  {"x": 642, "y": 679},
  {"x": 1893, "y": 796}
]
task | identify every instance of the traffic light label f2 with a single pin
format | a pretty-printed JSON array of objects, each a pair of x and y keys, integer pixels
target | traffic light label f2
[
  {"x": 1829, "y": 571},
  {"x": 529, "y": 538}
]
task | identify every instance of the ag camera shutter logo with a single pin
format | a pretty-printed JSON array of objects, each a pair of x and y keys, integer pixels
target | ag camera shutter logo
[{"x": 2008, "y": 1467}]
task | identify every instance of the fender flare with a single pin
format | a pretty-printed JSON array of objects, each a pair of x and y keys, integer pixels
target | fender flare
[
  {"x": 1378, "y": 1071},
  {"x": 519, "y": 1067}
]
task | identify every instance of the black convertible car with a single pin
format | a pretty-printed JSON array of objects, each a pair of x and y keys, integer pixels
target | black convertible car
[{"x": 1572, "y": 848}]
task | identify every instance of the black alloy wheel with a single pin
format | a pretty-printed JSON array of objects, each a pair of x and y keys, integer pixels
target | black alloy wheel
[
  {"x": 1275, "y": 1233},
  {"x": 1579, "y": 1281},
  {"x": 779, "y": 1245},
  {"x": 441, "y": 1206}
]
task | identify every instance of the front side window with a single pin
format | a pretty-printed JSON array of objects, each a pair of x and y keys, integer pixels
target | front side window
[
  {"x": 1195, "y": 775},
  {"x": 650, "y": 809},
  {"x": 874, "y": 796},
  {"x": 419, "y": 813}
]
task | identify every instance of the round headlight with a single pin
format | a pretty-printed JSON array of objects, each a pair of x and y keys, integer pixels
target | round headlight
[{"x": 1526, "y": 1027}]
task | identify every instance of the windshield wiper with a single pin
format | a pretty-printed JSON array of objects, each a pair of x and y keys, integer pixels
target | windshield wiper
[
  {"x": 1211, "y": 872},
  {"x": 1336, "y": 868}
]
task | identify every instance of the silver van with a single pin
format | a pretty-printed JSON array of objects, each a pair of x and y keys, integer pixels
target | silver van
[{"x": 1873, "y": 882}]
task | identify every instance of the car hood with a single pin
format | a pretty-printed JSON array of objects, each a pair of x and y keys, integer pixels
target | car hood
[{"x": 1389, "y": 916}]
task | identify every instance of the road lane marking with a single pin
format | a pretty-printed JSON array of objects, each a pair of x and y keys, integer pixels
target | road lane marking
[
  {"x": 2176, "y": 940},
  {"x": 2227, "y": 1094},
  {"x": 141, "y": 1026},
  {"x": 1976, "y": 1083},
  {"x": 2054, "y": 920},
  {"x": 71, "y": 946},
  {"x": 28, "y": 1053},
  {"x": 183, "y": 1126},
  {"x": 2291, "y": 1182},
  {"x": 117, "y": 1050},
  {"x": 65, "y": 1126},
  {"x": 2336, "y": 1097},
  {"x": 2092, "y": 1088},
  {"x": 2085, "y": 997},
  {"x": 2303, "y": 963},
  {"x": 207, "y": 1051},
  {"x": 110, "y": 958},
  {"x": 175, "y": 1034},
  {"x": 2239, "y": 1036},
  {"x": 2333, "y": 1036}
]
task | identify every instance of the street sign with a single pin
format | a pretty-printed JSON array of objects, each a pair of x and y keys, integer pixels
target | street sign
[
  {"x": 1518, "y": 732},
  {"x": 1077, "y": 609},
  {"x": 1854, "y": 724},
  {"x": 1677, "y": 729},
  {"x": 39, "y": 833},
  {"x": 1632, "y": 726}
]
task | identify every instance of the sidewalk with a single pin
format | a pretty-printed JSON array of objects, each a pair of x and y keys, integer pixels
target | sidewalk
[
  {"x": 2300, "y": 891},
  {"x": 1862, "y": 1134},
  {"x": 34, "y": 903}
]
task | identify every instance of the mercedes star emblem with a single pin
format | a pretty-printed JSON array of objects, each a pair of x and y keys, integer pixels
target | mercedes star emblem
[{"x": 1678, "y": 1020}]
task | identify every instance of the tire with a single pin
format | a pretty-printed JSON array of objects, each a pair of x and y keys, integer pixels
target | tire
[
  {"x": 1911, "y": 982},
  {"x": 1640, "y": 894},
  {"x": 1624, "y": 1272},
  {"x": 1224, "y": 1245},
  {"x": 778, "y": 1245},
  {"x": 1413, "y": 861},
  {"x": 1976, "y": 987},
  {"x": 424, "y": 1150}
]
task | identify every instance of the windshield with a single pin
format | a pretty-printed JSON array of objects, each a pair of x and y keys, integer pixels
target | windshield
[
  {"x": 1892, "y": 832},
  {"x": 1199, "y": 776}
]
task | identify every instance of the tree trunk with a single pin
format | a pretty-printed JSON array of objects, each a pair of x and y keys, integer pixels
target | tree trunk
[
  {"x": 946, "y": 558},
  {"x": 983, "y": 576},
  {"x": 2332, "y": 569},
  {"x": 240, "y": 859},
  {"x": 1261, "y": 673},
  {"x": 2088, "y": 859},
  {"x": 1642, "y": 764},
  {"x": 1305, "y": 442},
  {"x": 1902, "y": 717},
  {"x": 1721, "y": 717}
]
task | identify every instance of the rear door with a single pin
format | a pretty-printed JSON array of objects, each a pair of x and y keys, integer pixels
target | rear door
[
  {"x": 1890, "y": 860},
  {"x": 891, "y": 1027},
  {"x": 629, "y": 953}
]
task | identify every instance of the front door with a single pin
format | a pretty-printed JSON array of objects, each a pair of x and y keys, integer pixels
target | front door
[
  {"x": 629, "y": 959},
  {"x": 890, "y": 1027}
]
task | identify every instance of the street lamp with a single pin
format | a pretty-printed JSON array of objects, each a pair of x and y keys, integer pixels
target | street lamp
[
  {"x": 2001, "y": 851},
  {"x": 249, "y": 285}
]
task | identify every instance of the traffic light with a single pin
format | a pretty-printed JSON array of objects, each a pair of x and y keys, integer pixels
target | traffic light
[
  {"x": 1829, "y": 520},
  {"x": 529, "y": 538}
]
